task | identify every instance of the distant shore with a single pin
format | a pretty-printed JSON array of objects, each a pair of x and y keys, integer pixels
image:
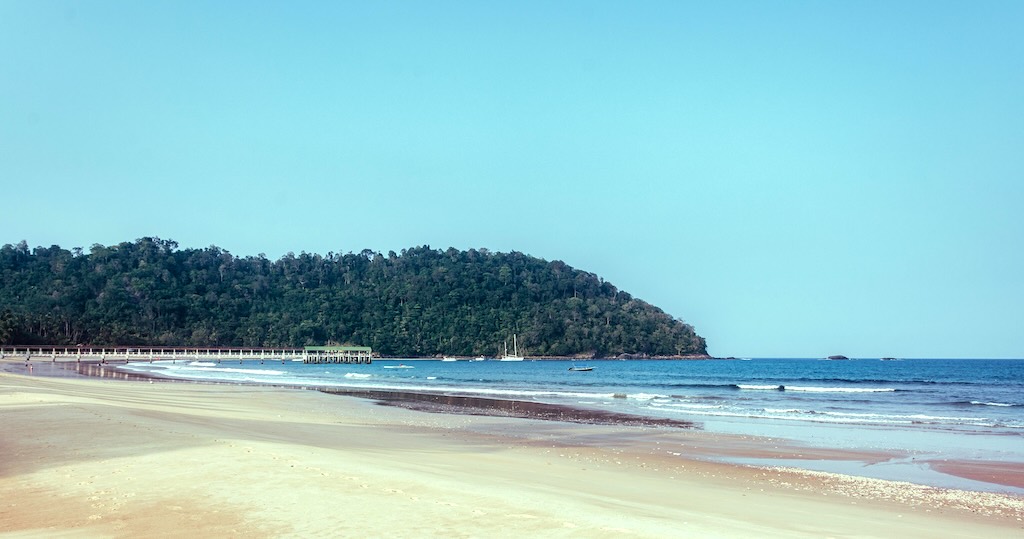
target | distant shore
[
  {"x": 140, "y": 458},
  {"x": 567, "y": 358}
]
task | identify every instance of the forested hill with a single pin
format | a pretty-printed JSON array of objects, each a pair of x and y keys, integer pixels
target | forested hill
[{"x": 422, "y": 302}]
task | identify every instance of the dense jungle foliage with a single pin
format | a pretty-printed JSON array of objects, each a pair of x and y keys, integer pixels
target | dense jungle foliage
[{"x": 422, "y": 302}]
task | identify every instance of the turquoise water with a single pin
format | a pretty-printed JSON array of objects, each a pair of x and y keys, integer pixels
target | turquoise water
[
  {"x": 970, "y": 395},
  {"x": 930, "y": 408}
]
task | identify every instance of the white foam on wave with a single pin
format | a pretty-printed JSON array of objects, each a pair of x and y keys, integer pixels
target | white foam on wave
[
  {"x": 238, "y": 371},
  {"x": 202, "y": 364},
  {"x": 884, "y": 418},
  {"x": 645, "y": 396},
  {"x": 359, "y": 375},
  {"x": 913, "y": 417},
  {"x": 792, "y": 414},
  {"x": 201, "y": 372},
  {"x": 191, "y": 369},
  {"x": 812, "y": 389},
  {"x": 1000, "y": 404},
  {"x": 456, "y": 390},
  {"x": 687, "y": 405}
]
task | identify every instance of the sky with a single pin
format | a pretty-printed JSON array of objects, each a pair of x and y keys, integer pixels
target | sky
[{"x": 794, "y": 179}]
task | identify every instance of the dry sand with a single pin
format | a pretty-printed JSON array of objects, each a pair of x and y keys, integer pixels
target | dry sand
[{"x": 98, "y": 458}]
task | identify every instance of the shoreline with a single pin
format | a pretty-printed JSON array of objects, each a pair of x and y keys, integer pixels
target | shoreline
[
  {"x": 412, "y": 400},
  {"x": 136, "y": 457},
  {"x": 749, "y": 450}
]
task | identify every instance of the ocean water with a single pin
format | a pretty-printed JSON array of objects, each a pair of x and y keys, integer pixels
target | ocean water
[
  {"x": 966, "y": 395},
  {"x": 933, "y": 408}
]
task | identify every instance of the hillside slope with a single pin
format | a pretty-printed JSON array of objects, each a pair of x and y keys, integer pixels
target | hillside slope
[{"x": 421, "y": 302}]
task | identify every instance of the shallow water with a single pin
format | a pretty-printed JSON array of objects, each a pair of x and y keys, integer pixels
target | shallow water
[
  {"x": 971, "y": 395},
  {"x": 928, "y": 408}
]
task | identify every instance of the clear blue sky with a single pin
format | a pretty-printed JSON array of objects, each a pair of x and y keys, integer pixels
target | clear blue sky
[{"x": 792, "y": 178}]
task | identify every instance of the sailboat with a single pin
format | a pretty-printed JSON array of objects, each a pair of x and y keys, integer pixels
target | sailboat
[{"x": 515, "y": 351}]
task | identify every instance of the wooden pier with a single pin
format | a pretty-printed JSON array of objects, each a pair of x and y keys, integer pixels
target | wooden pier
[
  {"x": 309, "y": 354},
  {"x": 337, "y": 354}
]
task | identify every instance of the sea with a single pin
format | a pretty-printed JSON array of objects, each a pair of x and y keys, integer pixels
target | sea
[{"x": 946, "y": 409}]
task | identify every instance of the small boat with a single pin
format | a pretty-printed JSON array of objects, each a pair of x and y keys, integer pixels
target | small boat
[
  {"x": 515, "y": 351},
  {"x": 581, "y": 368},
  {"x": 448, "y": 359}
]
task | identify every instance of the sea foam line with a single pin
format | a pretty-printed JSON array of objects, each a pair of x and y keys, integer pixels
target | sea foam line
[
  {"x": 1000, "y": 404},
  {"x": 813, "y": 389},
  {"x": 193, "y": 369},
  {"x": 233, "y": 370},
  {"x": 808, "y": 417}
]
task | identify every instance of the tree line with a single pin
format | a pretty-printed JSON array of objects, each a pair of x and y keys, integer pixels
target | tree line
[{"x": 418, "y": 303}]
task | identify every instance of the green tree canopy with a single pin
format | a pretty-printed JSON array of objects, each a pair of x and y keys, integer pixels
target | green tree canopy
[{"x": 420, "y": 302}]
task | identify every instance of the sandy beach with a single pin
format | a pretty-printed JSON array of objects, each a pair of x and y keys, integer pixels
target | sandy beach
[{"x": 104, "y": 458}]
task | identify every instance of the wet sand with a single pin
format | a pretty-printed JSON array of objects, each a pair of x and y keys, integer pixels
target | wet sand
[
  {"x": 454, "y": 404},
  {"x": 1000, "y": 473},
  {"x": 97, "y": 458},
  {"x": 751, "y": 450}
]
